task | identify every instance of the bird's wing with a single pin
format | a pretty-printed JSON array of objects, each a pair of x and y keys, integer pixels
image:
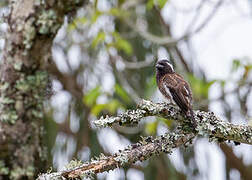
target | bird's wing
[
  {"x": 179, "y": 91},
  {"x": 184, "y": 88},
  {"x": 187, "y": 92}
]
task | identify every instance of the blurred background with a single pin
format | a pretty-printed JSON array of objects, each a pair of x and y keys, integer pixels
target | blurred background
[{"x": 104, "y": 64}]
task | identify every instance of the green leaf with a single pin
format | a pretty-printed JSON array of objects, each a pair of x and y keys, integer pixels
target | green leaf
[
  {"x": 122, "y": 44},
  {"x": 161, "y": 3},
  {"x": 98, "y": 108},
  {"x": 76, "y": 22},
  {"x": 90, "y": 98},
  {"x": 151, "y": 86},
  {"x": 120, "y": 2},
  {"x": 98, "y": 39},
  {"x": 151, "y": 128},
  {"x": 150, "y": 4},
  {"x": 122, "y": 93},
  {"x": 236, "y": 64},
  {"x": 222, "y": 83},
  {"x": 168, "y": 122},
  {"x": 199, "y": 87},
  {"x": 118, "y": 12},
  {"x": 96, "y": 15},
  {"x": 111, "y": 107}
]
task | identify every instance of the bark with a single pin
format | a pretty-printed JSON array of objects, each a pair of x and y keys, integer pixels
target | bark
[{"x": 33, "y": 25}]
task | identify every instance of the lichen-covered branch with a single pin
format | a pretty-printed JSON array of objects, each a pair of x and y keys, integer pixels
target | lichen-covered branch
[
  {"x": 136, "y": 152},
  {"x": 32, "y": 26},
  {"x": 208, "y": 124}
]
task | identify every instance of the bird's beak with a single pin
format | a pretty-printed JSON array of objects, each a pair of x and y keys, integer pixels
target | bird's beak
[{"x": 159, "y": 66}]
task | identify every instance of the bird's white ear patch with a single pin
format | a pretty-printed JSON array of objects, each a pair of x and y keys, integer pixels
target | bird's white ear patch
[{"x": 169, "y": 64}]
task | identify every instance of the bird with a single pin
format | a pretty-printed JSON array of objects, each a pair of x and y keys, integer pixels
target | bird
[{"x": 174, "y": 88}]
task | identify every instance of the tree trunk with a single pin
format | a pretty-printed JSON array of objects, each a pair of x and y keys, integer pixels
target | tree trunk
[{"x": 33, "y": 25}]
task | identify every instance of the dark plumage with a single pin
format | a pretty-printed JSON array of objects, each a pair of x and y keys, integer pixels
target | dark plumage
[{"x": 175, "y": 88}]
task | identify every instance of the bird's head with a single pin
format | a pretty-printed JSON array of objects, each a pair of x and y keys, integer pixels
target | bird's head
[{"x": 164, "y": 66}]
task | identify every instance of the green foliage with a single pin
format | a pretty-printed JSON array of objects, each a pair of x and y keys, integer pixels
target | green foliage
[
  {"x": 90, "y": 98},
  {"x": 77, "y": 22},
  {"x": 199, "y": 87},
  {"x": 236, "y": 64},
  {"x": 151, "y": 128},
  {"x": 95, "y": 16},
  {"x": 122, "y": 94},
  {"x": 159, "y": 3},
  {"x": 245, "y": 64},
  {"x": 151, "y": 86},
  {"x": 98, "y": 39},
  {"x": 118, "y": 13},
  {"x": 51, "y": 128},
  {"x": 150, "y": 4},
  {"x": 111, "y": 107},
  {"x": 167, "y": 122},
  {"x": 121, "y": 43}
]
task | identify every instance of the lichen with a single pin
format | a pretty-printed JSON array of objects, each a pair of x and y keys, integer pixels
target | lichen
[
  {"x": 18, "y": 172},
  {"x": 36, "y": 82},
  {"x": 4, "y": 86},
  {"x": 208, "y": 124},
  {"x": 9, "y": 116},
  {"x": 47, "y": 22},
  {"x": 73, "y": 164},
  {"x": 3, "y": 169},
  {"x": 18, "y": 65},
  {"x": 29, "y": 33}
]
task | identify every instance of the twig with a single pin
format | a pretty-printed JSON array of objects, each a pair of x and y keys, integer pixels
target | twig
[
  {"x": 209, "y": 17},
  {"x": 138, "y": 64},
  {"x": 165, "y": 40},
  {"x": 196, "y": 16}
]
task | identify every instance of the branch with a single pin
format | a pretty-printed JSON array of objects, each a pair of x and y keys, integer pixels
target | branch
[
  {"x": 137, "y": 152},
  {"x": 208, "y": 124},
  {"x": 208, "y": 18},
  {"x": 165, "y": 40}
]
